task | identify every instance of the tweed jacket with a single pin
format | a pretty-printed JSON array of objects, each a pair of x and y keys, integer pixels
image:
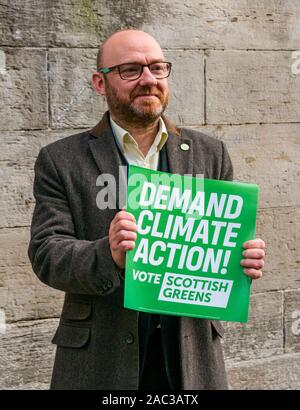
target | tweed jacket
[{"x": 97, "y": 338}]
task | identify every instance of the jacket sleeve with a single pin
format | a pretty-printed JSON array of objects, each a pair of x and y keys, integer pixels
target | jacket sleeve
[
  {"x": 227, "y": 168},
  {"x": 58, "y": 258}
]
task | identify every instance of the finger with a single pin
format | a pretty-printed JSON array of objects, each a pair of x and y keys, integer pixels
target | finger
[
  {"x": 254, "y": 243},
  {"x": 253, "y": 263},
  {"x": 124, "y": 215},
  {"x": 125, "y": 236},
  {"x": 116, "y": 236},
  {"x": 254, "y": 253},
  {"x": 125, "y": 225},
  {"x": 253, "y": 273},
  {"x": 126, "y": 246}
]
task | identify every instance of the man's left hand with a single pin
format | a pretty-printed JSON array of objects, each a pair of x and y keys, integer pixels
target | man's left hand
[{"x": 254, "y": 255}]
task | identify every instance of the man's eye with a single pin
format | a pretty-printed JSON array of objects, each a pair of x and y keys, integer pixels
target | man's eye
[
  {"x": 158, "y": 67},
  {"x": 130, "y": 70}
]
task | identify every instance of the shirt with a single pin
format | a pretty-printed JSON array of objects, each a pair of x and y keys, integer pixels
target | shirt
[{"x": 131, "y": 151}]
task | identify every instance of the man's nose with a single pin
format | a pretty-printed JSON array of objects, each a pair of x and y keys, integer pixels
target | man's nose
[{"x": 147, "y": 78}]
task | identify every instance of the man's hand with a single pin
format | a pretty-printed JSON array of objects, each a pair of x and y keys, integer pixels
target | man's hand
[
  {"x": 122, "y": 236},
  {"x": 254, "y": 255}
]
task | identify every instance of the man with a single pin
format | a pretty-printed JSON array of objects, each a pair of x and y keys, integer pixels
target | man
[{"x": 80, "y": 249}]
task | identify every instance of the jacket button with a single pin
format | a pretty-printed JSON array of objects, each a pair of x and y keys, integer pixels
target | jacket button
[
  {"x": 109, "y": 284},
  {"x": 129, "y": 338}
]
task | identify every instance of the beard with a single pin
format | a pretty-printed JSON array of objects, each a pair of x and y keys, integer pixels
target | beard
[{"x": 134, "y": 110}]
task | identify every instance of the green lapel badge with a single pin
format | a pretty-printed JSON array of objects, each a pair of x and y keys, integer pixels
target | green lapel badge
[{"x": 184, "y": 147}]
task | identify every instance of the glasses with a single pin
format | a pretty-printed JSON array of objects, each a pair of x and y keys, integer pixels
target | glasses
[{"x": 133, "y": 71}]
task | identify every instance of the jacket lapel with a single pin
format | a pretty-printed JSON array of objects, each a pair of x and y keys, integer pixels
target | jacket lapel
[
  {"x": 180, "y": 154},
  {"x": 106, "y": 155},
  {"x": 180, "y": 150}
]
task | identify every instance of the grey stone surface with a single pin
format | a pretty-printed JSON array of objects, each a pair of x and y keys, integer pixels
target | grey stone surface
[
  {"x": 27, "y": 354},
  {"x": 25, "y": 23},
  {"x": 280, "y": 229},
  {"x": 86, "y": 22},
  {"x": 277, "y": 373},
  {"x": 74, "y": 103},
  {"x": 258, "y": 86},
  {"x": 247, "y": 24},
  {"x": 22, "y": 147},
  {"x": 219, "y": 24},
  {"x": 23, "y": 89},
  {"x": 186, "y": 79},
  {"x": 18, "y": 152},
  {"x": 262, "y": 336},
  {"x": 292, "y": 320},
  {"x": 24, "y": 297},
  {"x": 13, "y": 249},
  {"x": 16, "y": 196}
]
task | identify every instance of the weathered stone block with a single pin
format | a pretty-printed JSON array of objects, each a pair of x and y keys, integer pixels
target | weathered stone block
[
  {"x": 14, "y": 244},
  {"x": 19, "y": 303},
  {"x": 16, "y": 196},
  {"x": 18, "y": 152},
  {"x": 22, "y": 147},
  {"x": 190, "y": 24},
  {"x": 73, "y": 23},
  {"x": 23, "y": 89},
  {"x": 251, "y": 87},
  {"x": 27, "y": 354},
  {"x": 74, "y": 103},
  {"x": 262, "y": 336},
  {"x": 25, "y": 23},
  {"x": 277, "y": 373},
  {"x": 24, "y": 297},
  {"x": 186, "y": 84},
  {"x": 267, "y": 155},
  {"x": 220, "y": 24},
  {"x": 279, "y": 227},
  {"x": 86, "y": 23},
  {"x": 292, "y": 320}
]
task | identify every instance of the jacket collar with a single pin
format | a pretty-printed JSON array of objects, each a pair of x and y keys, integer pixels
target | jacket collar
[{"x": 107, "y": 157}]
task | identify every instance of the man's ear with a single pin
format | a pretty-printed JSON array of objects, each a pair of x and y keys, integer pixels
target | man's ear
[{"x": 98, "y": 83}]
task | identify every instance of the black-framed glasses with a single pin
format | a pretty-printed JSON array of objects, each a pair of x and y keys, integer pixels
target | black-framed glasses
[{"x": 132, "y": 71}]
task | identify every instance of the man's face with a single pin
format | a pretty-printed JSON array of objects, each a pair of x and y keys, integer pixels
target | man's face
[{"x": 142, "y": 100}]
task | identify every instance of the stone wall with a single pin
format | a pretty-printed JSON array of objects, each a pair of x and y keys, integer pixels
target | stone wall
[{"x": 236, "y": 77}]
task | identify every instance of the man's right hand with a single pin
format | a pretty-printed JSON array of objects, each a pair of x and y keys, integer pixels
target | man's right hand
[{"x": 122, "y": 236}]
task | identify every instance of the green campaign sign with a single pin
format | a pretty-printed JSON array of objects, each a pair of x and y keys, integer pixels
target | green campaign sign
[{"x": 187, "y": 256}]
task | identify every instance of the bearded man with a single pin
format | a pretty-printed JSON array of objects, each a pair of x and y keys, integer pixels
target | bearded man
[{"x": 80, "y": 249}]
